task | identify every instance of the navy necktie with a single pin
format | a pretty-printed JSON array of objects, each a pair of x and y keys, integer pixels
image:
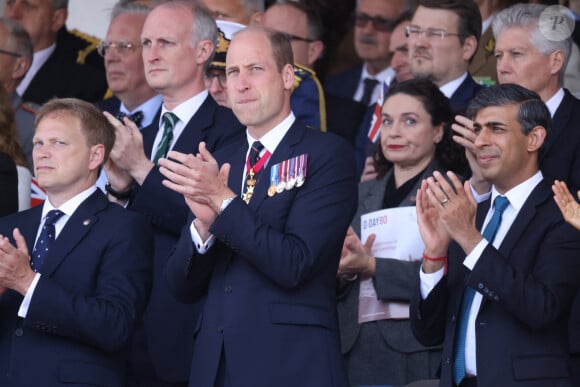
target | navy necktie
[
  {"x": 45, "y": 239},
  {"x": 136, "y": 117},
  {"x": 369, "y": 85},
  {"x": 254, "y": 156},
  {"x": 500, "y": 203}
]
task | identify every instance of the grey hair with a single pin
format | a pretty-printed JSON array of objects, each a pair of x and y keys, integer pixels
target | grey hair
[
  {"x": 204, "y": 26},
  {"x": 124, "y": 6},
  {"x": 18, "y": 39},
  {"x": 527, "y": 16}
]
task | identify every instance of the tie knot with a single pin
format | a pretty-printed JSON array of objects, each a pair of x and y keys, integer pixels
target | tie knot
[
  {"x": 500, "y": 203},
  {"x": 370, "y": 82},
  {"x": 52, "y": 217},
  {"x": 255, "y": 150},
  {"x": 169, "y": 120},
  {"x": 136, "y": 117}
]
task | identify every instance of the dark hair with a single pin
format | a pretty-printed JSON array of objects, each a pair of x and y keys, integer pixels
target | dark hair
[
  {"x": 94, "y": 125},
  {"x": 531, "y": 110},
  {"x": 448, "y": 154},
  {"x": 9, "y": 142},
  {"x": 468, "y": 15}
]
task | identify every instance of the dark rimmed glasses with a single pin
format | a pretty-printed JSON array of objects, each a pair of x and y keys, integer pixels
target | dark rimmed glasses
[{"x": 379, "y": 23}]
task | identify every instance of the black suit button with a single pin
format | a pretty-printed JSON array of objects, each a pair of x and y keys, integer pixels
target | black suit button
[
  {"x": 19, "y": 332},
  {"x": 220, "y": 329},
  {"x": 447, "y": 360},
  {"x": 480, "y": 286},
  {"x": 453, "y": 318},
  {"x": 228, "y": 289}
]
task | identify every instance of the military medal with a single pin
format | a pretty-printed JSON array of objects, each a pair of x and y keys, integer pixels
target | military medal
[
  {"x": 252, "y": 176},
  {"x": 301, "y": 176},
  {"x": 291, "y": 181},
  {"x": 281, "y": 177},
  {"x": 273, "y": 180}
]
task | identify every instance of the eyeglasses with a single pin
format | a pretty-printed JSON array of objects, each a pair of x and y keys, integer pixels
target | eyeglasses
[
  {"x": 379, "y": 23},
  {"x": 220, "y": 75},
  {"x": 430, "y": 33},
  {"x": 291, "y": 37},
  {"x": 123, "y": 48},
  {"x": 11, "y": 53}
]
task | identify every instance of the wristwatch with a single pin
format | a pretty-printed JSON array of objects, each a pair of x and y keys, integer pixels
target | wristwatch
[{"x": 119, "y": 195}]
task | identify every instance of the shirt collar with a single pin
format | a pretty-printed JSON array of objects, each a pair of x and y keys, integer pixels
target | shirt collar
[
  {"x": 273, "y": 137},
  {"x": 518, "y": 195},
  {"x": 385, "y": 76},
  {"x": 187, "y": 109},
  {"x": 70, "y": 206},
  {"x": 554, "y": 102},
  {"x": 148, "y": 108},
  {"x": 451, "y": 87}
]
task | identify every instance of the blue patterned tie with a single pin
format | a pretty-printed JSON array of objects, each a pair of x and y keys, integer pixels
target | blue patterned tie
[
  {"x": 45, "y": 239},
  {"x": 500, "y": 203},
  {"x": 169, "y": 121}
]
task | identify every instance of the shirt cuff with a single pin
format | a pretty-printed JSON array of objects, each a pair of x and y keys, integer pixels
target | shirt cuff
[
  {"x": 23, "y": 310},
  {"x": 479, "y": 198},
  {"x": 430, "y": 280},
  {"x": 472, "y": 258},
  {"x": 201, "y": 246}
]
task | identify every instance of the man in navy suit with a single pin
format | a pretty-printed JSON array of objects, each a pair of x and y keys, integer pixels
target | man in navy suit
[
  {"x": 443, "y": 38},
  {"x": 263, "y": 249},
  {"x": 67, "y": 320},
  {"x": 178, "y": 40},
  {"x": 500, "y": 302}
]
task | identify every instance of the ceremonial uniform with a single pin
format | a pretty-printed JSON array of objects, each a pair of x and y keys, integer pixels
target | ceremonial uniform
[{"x": 307, "y": 100}]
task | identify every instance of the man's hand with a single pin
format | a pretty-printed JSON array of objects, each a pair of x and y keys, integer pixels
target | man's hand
[
  {"x": 568, "y": 205},
  {"x": 15, "y": 270},
  {"x": 356, "y": 257},
  {"x": 199, "y": 179},
  {"x": 455, "y": 208},
  {"x": 466, "y": 138},
  {"x": 128, "y": 153}
]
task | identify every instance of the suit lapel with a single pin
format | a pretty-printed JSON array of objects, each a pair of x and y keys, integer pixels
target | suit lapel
[
  {"x": 79, "y": 224},
  {"x": 560, "y": 121},
  {"x": 539, "y": 195},
  {"x": 197, "y": 128}
]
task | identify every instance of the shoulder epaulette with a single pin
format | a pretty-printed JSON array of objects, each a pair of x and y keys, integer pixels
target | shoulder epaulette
[
  {"x": 92, "y": 43},
  {"x": 302, "y": 73}
]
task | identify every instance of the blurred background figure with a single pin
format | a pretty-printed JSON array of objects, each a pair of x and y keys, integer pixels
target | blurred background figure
[
  {"x": 399, "y": 48},
  {"x": 239, "y": 11},
  {"x": 215, "y": 75},
  {"x": 65, "y": 64},
  {"x": 15, "y": 60},
  {"x": 415, "y": 140},
  {"x": 10, "y": 145}
]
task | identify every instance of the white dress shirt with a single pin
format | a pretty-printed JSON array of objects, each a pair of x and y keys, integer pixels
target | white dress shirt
[{"x": 385, "y": 76}]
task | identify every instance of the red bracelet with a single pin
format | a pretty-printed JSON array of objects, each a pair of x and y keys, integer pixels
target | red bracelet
[{"x": 438, "y": 259}]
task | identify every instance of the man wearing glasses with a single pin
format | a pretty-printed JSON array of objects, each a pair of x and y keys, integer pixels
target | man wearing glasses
[
  {"x": 15, "y": 60},
  {"x": 443, "y": 38},
  {"x": 373, "y": 26},
  {"x": 133, "y": 97}
]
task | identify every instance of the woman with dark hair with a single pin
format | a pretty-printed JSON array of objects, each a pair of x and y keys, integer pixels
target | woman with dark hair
[{"x": 415, "y": 140}]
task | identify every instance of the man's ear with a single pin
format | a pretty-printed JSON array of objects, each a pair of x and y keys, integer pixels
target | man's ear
[
  {"x": 288, "y": 76},
  {"x": 315, "y": 50},
  {"x": 59, "y": 17},
  {"x": 204, "y": 51},
  {"x": 536, "y": 138},
  {"x": 96, "y": 156},
  {"x": 469, "y": 47}
]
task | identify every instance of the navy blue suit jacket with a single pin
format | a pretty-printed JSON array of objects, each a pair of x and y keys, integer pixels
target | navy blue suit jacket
[
  {"x": 527, "y": 287},
  {"x": 464, "y": 93},
  {"x": 167, "y": 322},
  {"x": 8, "y": 185},
  {"x": 268, "y": 282},
  {"x": 345, "y": 83},
  {"x": 92, "y": 291}
]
